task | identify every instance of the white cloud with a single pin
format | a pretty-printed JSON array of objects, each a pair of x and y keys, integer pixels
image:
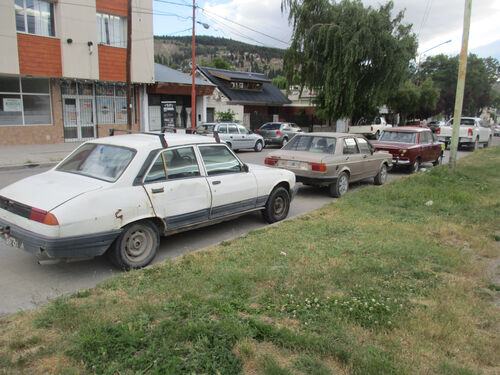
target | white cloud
[{"x": 434, "y": 21}]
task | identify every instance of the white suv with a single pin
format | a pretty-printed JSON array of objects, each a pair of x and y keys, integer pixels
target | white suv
[{"x": 235, "y": 135}]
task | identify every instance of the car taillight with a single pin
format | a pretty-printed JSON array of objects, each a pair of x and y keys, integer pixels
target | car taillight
[
  {"x": 319, "y": 167},
  {"x": 278, "y": 132},
  {"x": 469, "y": 132},
  {"x": 270, "y": 161},
  {"x": 258, "y": 131},
  {"x": 371, "y": 128},
  {"x": 43, "y": 217},
  {"x": 439, "y": 131}
]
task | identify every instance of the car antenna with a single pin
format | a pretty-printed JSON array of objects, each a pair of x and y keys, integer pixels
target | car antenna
[{"x": 160, "y": 135}]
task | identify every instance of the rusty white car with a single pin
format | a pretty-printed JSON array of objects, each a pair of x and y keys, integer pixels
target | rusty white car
[
  {"x": 117, "y": 195},
  {"x": 332, "y": 159}
]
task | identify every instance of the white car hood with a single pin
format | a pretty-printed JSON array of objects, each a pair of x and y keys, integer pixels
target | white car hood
[{"x": 48, "y": 190}]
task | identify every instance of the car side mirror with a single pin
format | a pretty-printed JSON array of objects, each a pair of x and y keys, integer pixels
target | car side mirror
[{"x": 245, "y": 168}]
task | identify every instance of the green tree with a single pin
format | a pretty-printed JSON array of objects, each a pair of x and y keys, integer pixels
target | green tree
[
  {"x": 480, "y": 77},
  {"x": 280, "y": 82},
  {"x": 225, "y": 116},
  {"x": 353, "y": 57}
]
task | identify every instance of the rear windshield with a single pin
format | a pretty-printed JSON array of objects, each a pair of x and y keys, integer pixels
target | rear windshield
[
  {"x": 104, "y": 162},
  {"x": 205, "y": 128},
  {"x": 270, "y": 126},
  {"x": 464, "y": 122},
  {"x": 324, "y": 145},
  {"x": 402, "y": 137}
]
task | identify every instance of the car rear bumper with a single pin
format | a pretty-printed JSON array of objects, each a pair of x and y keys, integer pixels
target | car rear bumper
[
  {"x": 320, "y": 180},
  {"x": 397, "y": 161},
  {"x": 88, "y": 245}
]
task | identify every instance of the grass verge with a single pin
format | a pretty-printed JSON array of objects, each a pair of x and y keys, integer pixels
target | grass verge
[{"x": 380, "y": 282}]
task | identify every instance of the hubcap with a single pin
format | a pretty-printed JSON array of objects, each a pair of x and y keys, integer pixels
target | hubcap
[
  {"x": 259, "y": 146},
  {"x": 343, "y": 183},
  {"x": 138, "y": 245},
  {"x": 279, "y": 206},
  {"x": 285, "y": 141},
  {"x": 383, "y": 174}
]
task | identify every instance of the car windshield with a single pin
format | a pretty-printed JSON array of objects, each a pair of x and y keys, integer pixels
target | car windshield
[
  {"x": 324, "y": 145},
  {"x": 362, "y": 122},
  {"x": 104, "y": 162},
  {"x": 205, "y": 128},
  {"x": 270, "y": 126},
  {"x": 401, "y": 137}
]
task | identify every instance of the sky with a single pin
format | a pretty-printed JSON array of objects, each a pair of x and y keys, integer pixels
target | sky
[{"x": 438, "y": 24}]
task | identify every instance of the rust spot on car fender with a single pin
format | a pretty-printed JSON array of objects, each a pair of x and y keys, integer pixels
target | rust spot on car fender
[{"x": 118, "y": 215}]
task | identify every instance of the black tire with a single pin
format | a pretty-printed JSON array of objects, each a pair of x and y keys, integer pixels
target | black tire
[
  {"x": 284, "y": 142},
  {"x": 438, "y": 160},
  {"x": 487, "y": 144},
  {"x": 381, "y": 176},
  {"x": 136, "y": 246},
  {"x": 415, "y": 167},
  {"x": 258, "y": 146},
  {"x": 340, "y": 187},
  {"x": 475, "y": 145},
  {"x": 277, "y": 205}
]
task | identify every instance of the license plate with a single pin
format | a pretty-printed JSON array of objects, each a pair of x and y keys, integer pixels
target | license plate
[
  {"x": 293, "y": 164},
  {"x": 14, "y": 242}
]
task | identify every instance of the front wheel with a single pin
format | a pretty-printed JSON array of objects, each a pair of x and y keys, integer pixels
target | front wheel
[
  {"x": 136, "y": 246},
  {"x": 277, "y": 205},
  {"x": 284, "y": 142},
  {"x": 340, "y": 187},
  {"x": 258, "y": 146},
  {"x": 414, "y": 168},
  {"x": 381, "y": 177}
]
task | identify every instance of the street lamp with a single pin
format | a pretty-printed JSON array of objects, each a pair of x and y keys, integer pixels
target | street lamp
[{"x": 427, "y": 50}]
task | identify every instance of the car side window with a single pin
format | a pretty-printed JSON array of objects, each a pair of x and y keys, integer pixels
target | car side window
[
  {"x": 223, "y": 129},
  {"x": 232, "y": 129},
  {"x": 219, "y": 160},
  {"x": 424, "y": 137},
  {"x": 350, "y": 146},
  {"x": 243, "y": 130},
  {"x": 363, "y": 146},
  {"x": 174, "y": 164}
]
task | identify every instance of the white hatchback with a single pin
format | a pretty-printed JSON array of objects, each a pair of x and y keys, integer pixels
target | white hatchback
[{"x": 117, "y": 195}]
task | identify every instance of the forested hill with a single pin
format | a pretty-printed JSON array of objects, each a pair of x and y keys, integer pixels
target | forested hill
[{"x": 175, "y": 52}]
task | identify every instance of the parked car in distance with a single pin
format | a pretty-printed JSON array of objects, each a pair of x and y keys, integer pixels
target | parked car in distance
[
  {"x": 117, "y": 195},
  {"x": 473, "y": 132},
  {"x": 369, "y": 128},
  {"x": 496, "y": 130},
  {"x": 410, "y": 146},
  {"x": 434, "y": 125},
  {"x": 279, "y": 133},
  {"x": 236, "y": 136},
  {"x": 331, "y": 159}
]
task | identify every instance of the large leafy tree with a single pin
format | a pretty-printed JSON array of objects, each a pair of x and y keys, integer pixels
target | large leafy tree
[
  {"x": 479, "y": 80},
  {"x": 352, "y": 56}
]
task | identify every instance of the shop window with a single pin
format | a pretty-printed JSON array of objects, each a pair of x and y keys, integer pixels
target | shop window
[
  {"x": 35, "y": 17},
  {"x": 25, "y": 101},
  {"x": 111, "y": 104}
]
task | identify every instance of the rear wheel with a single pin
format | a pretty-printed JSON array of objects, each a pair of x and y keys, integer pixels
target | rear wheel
[
  {"x": 475, "y": 145},
  {"x": 381, "y": 177},
  {"x": 487, "y": 144},
  {"x": 377, "y": 134},
  {"x": 438, "y": 160},
  {"x": 136, "y": 246},
  {"x": 277, "y": 205},
  {"x": 284, "y": 142},
  {"x": 229, "y": 145},
  {"x": 340, "y": 187},
  {"x": 258, "y": 146}
]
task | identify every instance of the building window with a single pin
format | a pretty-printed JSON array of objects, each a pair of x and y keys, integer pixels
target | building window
[
  {"x": 111, "y": 104},
  {"x": 35, "y": 17},
  {"x": 111, "y": 30},
  {"x": 25, "y": 101}
]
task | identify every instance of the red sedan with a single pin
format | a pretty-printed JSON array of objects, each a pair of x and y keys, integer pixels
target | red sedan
[{"x": 410, "y": 146}]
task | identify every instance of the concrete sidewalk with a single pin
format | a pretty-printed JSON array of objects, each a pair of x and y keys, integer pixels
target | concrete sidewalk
[{"x": 17, "y": 157}]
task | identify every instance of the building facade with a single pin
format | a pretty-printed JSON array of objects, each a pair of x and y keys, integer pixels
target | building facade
[{"x": 63, "y": 68}]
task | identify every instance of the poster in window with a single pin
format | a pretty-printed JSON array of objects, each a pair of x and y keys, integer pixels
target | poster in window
[
  {"x": 168, "y": 118},
  {"x": 12, "y": 105}
]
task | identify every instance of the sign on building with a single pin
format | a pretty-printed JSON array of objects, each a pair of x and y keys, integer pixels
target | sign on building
[{"x": 168, "y": 118}]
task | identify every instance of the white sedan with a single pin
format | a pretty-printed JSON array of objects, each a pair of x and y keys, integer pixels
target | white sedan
[{"x": 117, "y": 195}]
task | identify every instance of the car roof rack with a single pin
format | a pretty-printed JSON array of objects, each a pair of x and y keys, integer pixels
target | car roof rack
[{"x": 159, "y": 135}]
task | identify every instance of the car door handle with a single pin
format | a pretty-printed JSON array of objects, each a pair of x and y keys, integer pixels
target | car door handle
[
  {"x": 215, "y": 182},
  {"x": 156, "y": 191}
]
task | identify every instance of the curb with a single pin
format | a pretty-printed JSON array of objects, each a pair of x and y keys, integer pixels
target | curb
[{"x": 26, "y": 166}]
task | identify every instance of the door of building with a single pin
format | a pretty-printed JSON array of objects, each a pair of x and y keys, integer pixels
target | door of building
[{"x": 79, "y": 112}]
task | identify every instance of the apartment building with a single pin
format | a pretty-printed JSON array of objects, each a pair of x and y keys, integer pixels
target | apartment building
[{"x": 63, "y": 68}]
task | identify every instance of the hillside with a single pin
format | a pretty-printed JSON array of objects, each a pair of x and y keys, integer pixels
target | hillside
[{"x": 175, "y": 52}]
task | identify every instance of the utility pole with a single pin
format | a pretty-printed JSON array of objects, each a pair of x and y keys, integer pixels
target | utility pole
[
  {"x": 193, "y": 88},
  {"x": 462, "y": 69},
  {"x": 129, "y": 64}
]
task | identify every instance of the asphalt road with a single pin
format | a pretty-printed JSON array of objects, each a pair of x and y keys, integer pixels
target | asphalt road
[{"x": 26, "y": 284}]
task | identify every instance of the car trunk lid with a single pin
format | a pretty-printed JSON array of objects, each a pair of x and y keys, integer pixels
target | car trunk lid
[{"x": 49, "y": 190}]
